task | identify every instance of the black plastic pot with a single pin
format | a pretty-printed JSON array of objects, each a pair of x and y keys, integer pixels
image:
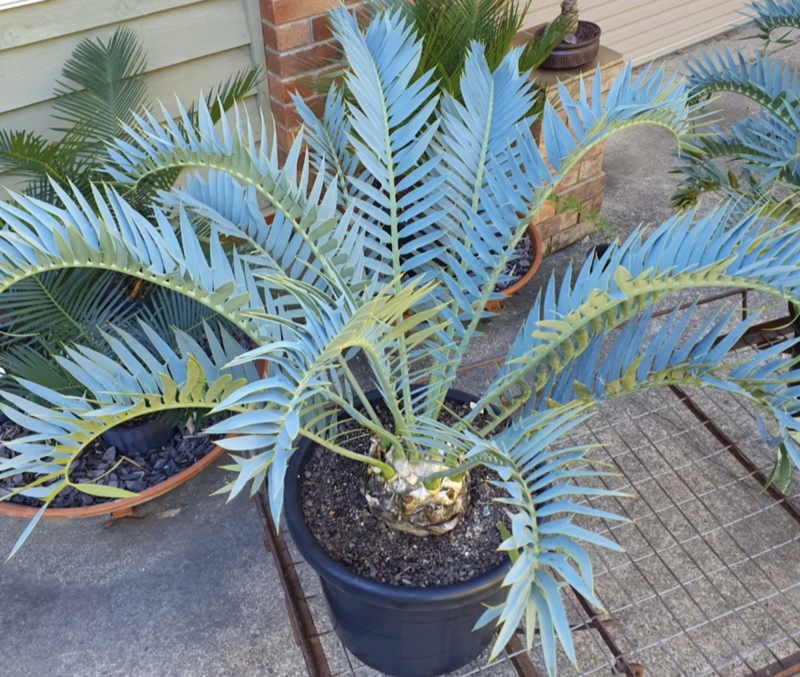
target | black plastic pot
[
  {"x": 404, "y": 632},
  {"x": 139, "y": 439}
]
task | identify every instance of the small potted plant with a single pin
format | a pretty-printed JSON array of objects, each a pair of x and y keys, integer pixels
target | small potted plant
[
  {"x": 395, "y": 465},
  {"x": 581, "y": 44}
]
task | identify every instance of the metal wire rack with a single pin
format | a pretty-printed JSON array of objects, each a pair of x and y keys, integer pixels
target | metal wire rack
[{"x": 709, "y": 581}]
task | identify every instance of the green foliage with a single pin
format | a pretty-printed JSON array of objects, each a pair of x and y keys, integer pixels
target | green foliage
[
  {"x": 102, "y": 86},
  {"x": 450, "y": 26},
  {"x": 603, "y": 224}
]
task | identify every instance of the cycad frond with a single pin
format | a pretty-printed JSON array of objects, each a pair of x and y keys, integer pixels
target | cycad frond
[
  {"x": 39, "y": 238},
  {"x": 302, "y": 376},
  {"x": 765, "y": 80},
  {"x": 304, "y": 225},
  {"x": 103, "y": 83},
  {"x": 769, "y": 15},
  {"x": 685, "y": 252},
  {"x": 763, "y": 144},
  {"x": 138, "y": 381}
]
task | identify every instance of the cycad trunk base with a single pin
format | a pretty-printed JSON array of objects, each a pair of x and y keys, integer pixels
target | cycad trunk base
[{"x": 406, "y": 504}]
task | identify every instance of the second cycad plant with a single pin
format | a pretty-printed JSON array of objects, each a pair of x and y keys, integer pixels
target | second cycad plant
[{"x": 386, "y": 259}]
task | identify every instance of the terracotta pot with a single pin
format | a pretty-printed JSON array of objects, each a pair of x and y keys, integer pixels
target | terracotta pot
[
  {"x": 536, "y": 244},
  {"x": 123, "y": 506},
  {"x": 568, "y": 57}
]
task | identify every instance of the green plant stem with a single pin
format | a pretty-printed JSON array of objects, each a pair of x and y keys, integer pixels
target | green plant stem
[{"x": 387, "y": 472}]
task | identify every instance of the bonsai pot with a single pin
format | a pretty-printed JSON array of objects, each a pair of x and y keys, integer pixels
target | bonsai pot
[
  {"x": 401, "y": 631},
  {"x": 140, "y": 438},
  {"x": 536, "y": 246},
  {"x": 568, "y": 57}
]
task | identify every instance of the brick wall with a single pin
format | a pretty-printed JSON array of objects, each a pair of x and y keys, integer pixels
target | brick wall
[
  {"x": 586, "y": 182},
  {"x": 300, "y": 49}
]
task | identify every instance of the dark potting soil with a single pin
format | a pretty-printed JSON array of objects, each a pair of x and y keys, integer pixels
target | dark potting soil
[
  {"x": 136, "y": 472},
  {"x": 336, "y": 514},
  {"x": 518, "y": 263},
  {"x": 586, "y": 32}
]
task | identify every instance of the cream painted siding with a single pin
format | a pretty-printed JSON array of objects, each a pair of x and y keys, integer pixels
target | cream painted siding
[
  {"x": 190, "y": 45},
  {"x": 646, "y": 29}
]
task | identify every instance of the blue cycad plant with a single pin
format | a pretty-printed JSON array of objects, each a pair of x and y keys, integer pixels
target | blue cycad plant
[
  {"x": 389, "y": 236},
  {"x": 763, "y": 146}
]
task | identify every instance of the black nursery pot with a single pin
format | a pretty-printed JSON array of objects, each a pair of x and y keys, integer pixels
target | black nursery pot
[
  {"x": 401, "y": 631},
  {"x": 137, "y": 440}
]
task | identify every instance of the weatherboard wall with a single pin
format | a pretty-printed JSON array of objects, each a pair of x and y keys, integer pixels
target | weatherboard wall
[
  {"x": 191, "y": 45},
  {"x": 646, "y": 29}
]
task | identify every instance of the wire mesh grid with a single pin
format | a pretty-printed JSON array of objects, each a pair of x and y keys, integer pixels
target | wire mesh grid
[{"x": 709, "y": 580}]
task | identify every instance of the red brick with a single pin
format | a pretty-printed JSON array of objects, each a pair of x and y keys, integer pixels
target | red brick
[
  {"x": 571, "y": 235},
  {"x": 551, "y": 227},
  {"x": 267, "y": 12},
  {"x": 290, "y": 64},
  {"x": 285, "y": 11},
  {"x": 592, "y": 205},
  {"x": 571, "y": 178},
  {"x": 285, "y": 136},
  {"x": 586, "y": 190},
  {"x": 546, "y": 211},
  {"x": 597, "y": 149},
  {"x": 321, "y": 28},
  {"x": 307, "y": 85},
  {"x": 286, "y": 115},
  {"x": 287, "y": 36}
]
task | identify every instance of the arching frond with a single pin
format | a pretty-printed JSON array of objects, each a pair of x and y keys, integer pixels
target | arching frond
[
  {"x": 769, "y": 15},
  {"x": 685, "y": 252},
  {"x": 306, "y": 373},
  {"x": 39, "y": 238},
  {"x": 139, "y": 380},
  {"x": 763, "y": 145}
]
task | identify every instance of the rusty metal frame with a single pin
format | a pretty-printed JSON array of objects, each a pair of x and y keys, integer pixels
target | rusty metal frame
[{"x": 308, "y": 638}]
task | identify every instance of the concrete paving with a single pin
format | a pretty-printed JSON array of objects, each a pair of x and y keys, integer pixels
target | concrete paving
[{"x": 187, "y": 589}]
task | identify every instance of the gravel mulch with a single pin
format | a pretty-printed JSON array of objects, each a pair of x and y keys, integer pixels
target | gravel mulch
[
  {"x": 105, "y": 465},
  {"x": 518, "y": 263}
]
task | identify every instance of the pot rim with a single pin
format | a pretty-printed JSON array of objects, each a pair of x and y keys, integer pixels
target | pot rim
[
  {"x": 538, "y": 254},
  {"x": 536, "y": 245},
  {"x": 337, "y": 574}
]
